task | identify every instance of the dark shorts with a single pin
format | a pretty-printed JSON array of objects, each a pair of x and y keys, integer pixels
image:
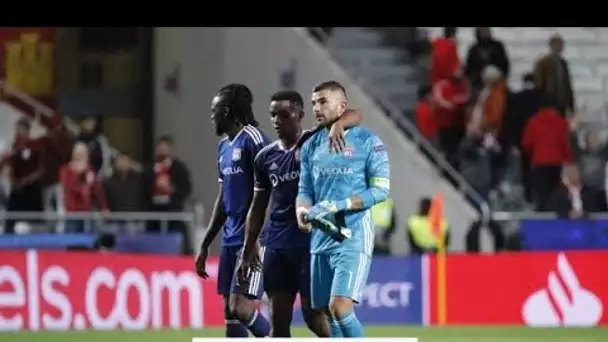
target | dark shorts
[
  {"x": 287, "y": 270},
  {"x": 227, "y": 278}
]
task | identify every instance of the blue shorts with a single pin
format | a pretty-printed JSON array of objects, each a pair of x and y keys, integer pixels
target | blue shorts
[
  {"x": 227, "y": 278},
  {"x": 287, "y": 270},
  {"x": 337, "y": 274}
]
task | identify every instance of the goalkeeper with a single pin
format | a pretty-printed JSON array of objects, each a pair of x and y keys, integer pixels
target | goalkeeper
[{"x": 340, "y": 189}]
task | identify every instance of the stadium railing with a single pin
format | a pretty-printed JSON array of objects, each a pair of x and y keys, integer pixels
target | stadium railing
[
  {"x": 410, "y": 129},
  {"x": 45, "y": 224},
  {"x": 189, "y": 217}
]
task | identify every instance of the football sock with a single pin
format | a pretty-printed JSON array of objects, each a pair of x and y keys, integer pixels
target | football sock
[
  {"x": 334, "y": 328},
  {"x": 350, "y": 325},
  {"x": 258, "y": 324},
  {"x": 234, "y": 328}
]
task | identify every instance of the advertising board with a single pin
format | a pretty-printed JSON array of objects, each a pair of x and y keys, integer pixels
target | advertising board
[{"x": 42, "y": 290}]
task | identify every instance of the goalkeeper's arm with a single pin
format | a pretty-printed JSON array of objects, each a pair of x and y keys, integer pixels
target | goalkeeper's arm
[{"x": 378, "y": 170}]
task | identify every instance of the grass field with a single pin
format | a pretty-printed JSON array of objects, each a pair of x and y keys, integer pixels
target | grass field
[{"x": 435, "y": 334}]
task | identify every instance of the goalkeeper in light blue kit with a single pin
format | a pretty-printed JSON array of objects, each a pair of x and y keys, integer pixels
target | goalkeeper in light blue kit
[{"x": 336, "y": 192}]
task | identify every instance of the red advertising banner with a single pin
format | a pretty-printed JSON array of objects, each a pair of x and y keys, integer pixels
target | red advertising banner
[
  {"x": 65, "y": 291},
  {"x": 535, "y": 289},
  {"x": 27, "y": 60}
]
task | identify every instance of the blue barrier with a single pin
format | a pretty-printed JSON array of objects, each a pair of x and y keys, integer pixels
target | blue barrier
[
  {"x": 562, "y": 235},
  {"x": 168, "y": 244},
  {"x": 46, "y": 241}
]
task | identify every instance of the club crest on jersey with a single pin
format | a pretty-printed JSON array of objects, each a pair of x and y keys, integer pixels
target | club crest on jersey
[
  {"x": 348, "y": 151},
  {"x": 236, "y": 154}
]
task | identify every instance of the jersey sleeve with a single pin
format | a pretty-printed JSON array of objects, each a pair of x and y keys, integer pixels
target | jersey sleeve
[
  {"x": 377, "y": 165},
  {"x": 305, "y": 186},
  {"x": 260, "y": 176},
  {"x": 377, "y": 171},
  {"x": 256, "y": 143}
]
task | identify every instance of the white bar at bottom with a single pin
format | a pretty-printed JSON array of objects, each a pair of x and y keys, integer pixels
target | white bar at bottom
[{"x": 311, "y": 339}]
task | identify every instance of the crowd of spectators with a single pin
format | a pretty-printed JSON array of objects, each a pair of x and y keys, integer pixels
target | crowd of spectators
[
  {"x": 484, "y": 128},
  {"x": 77, "y": 173}
]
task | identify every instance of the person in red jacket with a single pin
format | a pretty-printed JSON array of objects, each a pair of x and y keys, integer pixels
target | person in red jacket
[
  {"x": 427, "y": 124},
  {"x": 546, "y": 141},
  {"x": 450, "y": 97},
  {"x": 444, "y": 56},
  {"x": 82, "y": 189},
  {"x": 27, "y": 170},
  {"x": 56, "y": 150}
]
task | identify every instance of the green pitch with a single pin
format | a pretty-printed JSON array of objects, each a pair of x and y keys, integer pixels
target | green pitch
[{"x": 449, "y": 334}]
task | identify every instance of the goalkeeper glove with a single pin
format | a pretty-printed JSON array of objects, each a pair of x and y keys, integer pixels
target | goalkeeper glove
[{"x": 324, "y": 208}]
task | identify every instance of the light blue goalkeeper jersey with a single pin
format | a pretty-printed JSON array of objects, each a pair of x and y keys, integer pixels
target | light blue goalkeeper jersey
[{"x": 362, "y": 169}]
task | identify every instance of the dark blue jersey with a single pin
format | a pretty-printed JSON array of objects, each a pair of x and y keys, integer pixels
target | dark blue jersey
[
  {"x": 235, "y": 164},
  {"x": 277, "y": 169}
]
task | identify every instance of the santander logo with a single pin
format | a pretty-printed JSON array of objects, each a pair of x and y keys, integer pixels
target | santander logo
[{"x": 564, "y": 302}]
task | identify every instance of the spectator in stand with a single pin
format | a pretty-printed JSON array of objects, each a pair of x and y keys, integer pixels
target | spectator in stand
[
  {"x": 26, "y": 174},
  {"x": 546, "y": 140},
  {"x": 475, "y": 154},
  {"x": 573, "y": 199},
  {"x": 57, "y": 150},
  {"x": 82, "y": 190},
  {"x": 124, "y": 189},
  {"x": 427, "y": 124},
  {"x": 591, "y": 159},
  {"x": 521, "y": 106},
  {"x": 450, "y": 96},
  {"x": 486, "y": 51},
  {"x": 488, "y": 113},
  {"x": 167, "y": 184},
  {"x": 99, "y": 149},
  {"x": 552, "y": 76},
  {"x": 444, "y": 56},
  {"x": 5, "y": 185}
]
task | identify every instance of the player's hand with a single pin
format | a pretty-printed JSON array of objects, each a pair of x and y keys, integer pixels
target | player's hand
[
  {"x": 201, "y": 263},
  {"x": 336, "y": 137},
  {"x": 322, "y": 209},
  {"x": 303, "y": 223},
  {"x": 247, "y": 264}
]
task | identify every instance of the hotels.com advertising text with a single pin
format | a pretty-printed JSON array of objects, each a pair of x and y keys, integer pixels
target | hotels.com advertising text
[{"x": 61, "y": 291}]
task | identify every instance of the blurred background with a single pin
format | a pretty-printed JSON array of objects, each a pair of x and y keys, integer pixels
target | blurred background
[{"x": 108, "y": 171}]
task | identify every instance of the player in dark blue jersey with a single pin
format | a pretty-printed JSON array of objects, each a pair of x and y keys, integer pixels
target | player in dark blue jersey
[
  {"x": 285, "y": 247},
  {"x": 233, "y": 118}
]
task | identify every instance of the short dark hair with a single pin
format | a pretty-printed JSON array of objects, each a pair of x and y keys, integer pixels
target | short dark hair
[
  {"x": 288, "y": 95},
  {"x": 424, "y": 207},
  {"x": 24, "y": 122},
  {"x": 528, "y": 77},
  {"x": 329, "y": 85},
  {"x": 165, "y": 138},
  {"x": 423, "y": 91},
  {"x": 240, "y": 100},
  {"x": 449, "y": 32}
]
